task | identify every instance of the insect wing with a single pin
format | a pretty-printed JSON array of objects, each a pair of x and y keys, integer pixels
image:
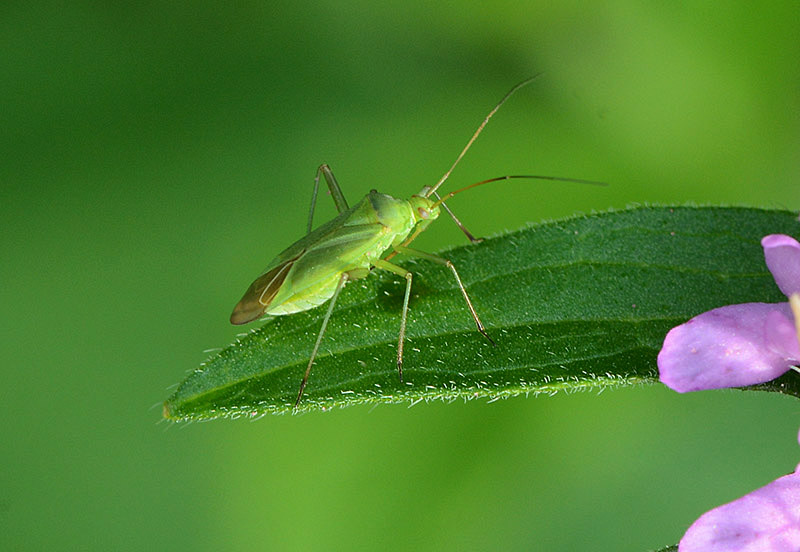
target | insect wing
[
  {"x": 313, "y": 278},
  {"x": 261, "y": 293},
  {"x": 298, "y": 278}
]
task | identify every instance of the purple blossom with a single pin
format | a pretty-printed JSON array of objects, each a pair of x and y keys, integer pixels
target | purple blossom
[
  {"x": 768, "y": 519},
  {"x": 740, "y": 345}
]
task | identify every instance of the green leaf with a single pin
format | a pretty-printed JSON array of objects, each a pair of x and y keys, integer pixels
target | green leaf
[{"x": 582, "y": 303}]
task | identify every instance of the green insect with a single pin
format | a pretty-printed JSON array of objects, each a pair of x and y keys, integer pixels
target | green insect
[{"x": 314, "y": 269}]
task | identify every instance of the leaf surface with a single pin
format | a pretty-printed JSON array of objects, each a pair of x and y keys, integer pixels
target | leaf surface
[{"x": 582, "y": 303}]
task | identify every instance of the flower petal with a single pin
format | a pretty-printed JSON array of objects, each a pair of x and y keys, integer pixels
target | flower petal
[
  {"x": 766, "y": 519},
  {"x": 782, "y": 254},
  {"x": 782, "y": 336},
  {"x": 726, "y": 347}
]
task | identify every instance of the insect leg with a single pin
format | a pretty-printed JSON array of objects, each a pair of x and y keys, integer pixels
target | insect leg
[
  {"x": 385, "y": 265},
  {"x": 339, "y": 286},
  {"x": 451, "y": 266},
  {"x": 463, "y": 228},
  {"x": 333, "y": 186}
]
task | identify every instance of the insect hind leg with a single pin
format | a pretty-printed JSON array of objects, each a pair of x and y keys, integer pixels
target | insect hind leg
[
  {"x": 314, "y": 352},
  {"x": 333, "y": 186}
]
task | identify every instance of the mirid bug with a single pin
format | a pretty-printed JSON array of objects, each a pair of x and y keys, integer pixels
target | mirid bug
[{"x": 315, "y": 268}]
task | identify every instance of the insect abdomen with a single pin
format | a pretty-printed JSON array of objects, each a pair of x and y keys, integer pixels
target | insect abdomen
[{"x": 312, "y": 296}]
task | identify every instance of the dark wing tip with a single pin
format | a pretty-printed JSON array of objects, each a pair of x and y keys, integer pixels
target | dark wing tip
[
  {"x": 261, "y": 293},
  {"x": 246, "y": 311}
]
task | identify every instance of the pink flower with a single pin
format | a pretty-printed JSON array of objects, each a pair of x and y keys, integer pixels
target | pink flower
[
  {"x": 744, "y": 344},
  {"x": 768, "y": 519}
]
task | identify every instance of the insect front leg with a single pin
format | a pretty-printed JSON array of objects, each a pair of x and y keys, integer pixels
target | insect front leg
[
  {"x": 333, "y": 186},
  {"x": 385, "y": 265},
  {"x": 335, "y": 295},
  {"x": 451, "y": 266},
  {"x": 460, "y": 225}
]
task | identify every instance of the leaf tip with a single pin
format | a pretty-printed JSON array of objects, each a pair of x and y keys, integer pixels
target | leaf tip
[{"x": 167, "y": 411}]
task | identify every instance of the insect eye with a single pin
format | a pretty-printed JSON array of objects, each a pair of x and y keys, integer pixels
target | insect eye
[{"x": 423, "y": 212}]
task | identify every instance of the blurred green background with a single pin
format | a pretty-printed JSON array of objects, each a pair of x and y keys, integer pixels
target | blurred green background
[{"x": 156, "y": 156}]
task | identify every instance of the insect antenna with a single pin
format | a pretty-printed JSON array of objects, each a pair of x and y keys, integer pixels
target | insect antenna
[
  {"x": 447, "y": 196},
  {"x": 431, "y": 191}
]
